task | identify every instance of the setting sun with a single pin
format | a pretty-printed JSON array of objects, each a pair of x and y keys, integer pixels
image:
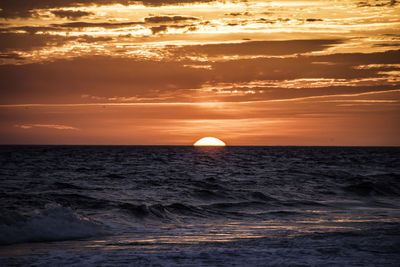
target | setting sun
[{"x": 209, "y": 141}]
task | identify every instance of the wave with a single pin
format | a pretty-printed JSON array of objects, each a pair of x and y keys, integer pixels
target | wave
[
  {"x": 163, "y": 212},
  {"x": 178, "y": 210},
  {"x": 78, "y": 200},
  {"x": 54, "y": 223},
  {"x": 208, "y": 195},
  {"x": 374, "y": 189},
  {"x": 260, "y": 196},
  {"x": 114, "y": 176},
  {"x": 236, "y": 205},
  {"x": 63, "y": 185}
]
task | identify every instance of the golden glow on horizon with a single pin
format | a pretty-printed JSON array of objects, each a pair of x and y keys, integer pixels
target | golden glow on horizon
[{"x": 209, "y": 141}]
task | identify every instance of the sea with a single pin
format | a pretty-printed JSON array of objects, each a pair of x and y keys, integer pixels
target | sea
[{"x": 199, "y": 206}]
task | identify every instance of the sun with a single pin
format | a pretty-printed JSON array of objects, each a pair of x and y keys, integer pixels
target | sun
[{"x": 209, "y": 141}]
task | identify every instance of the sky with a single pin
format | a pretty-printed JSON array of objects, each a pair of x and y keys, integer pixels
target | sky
[{"x": 168, "y": 72}]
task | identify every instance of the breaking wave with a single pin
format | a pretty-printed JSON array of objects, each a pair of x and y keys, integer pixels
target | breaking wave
[{"x": 54, "y": 223}]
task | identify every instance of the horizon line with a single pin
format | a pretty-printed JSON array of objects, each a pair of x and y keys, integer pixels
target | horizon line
[{"x": 142, "y": 145}]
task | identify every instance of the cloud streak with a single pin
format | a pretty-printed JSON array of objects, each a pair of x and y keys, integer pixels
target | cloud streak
[
  {"x": 50, "y": 126},
  {"x": 211, "y": 104}
]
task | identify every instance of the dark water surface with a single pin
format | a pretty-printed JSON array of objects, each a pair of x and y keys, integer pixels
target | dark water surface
[{"x": 198, "y": 206}]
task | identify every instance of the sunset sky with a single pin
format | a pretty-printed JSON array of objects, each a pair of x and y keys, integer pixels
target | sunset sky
[{"x": 168, "y": 72}]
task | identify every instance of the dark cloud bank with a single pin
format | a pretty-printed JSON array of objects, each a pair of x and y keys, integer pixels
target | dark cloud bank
[{"x": 64, "y": 81}]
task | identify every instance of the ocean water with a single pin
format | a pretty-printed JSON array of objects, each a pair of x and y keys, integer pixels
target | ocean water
[{"x": 199, "y": 206}]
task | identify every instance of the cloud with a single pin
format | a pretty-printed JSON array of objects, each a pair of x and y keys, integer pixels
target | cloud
[
  {"x": 50, "y": 126},
  {"x": 235, "y": 14},
  {"x": 79, "y": 25},
  {"x": 379, "y": 66},
  {"x": 11, "y": 42},
  {"x": 378, "y": 3},
  {"x": 173, "y": 80},
  {"x": 10, "y": 56},
  {"x": 27, "y": 8},
  {"x": 175, "y": 2},
  {"x": 159, "y": 29},
  {"x": 70, "y": 14},
  {"x": 95, "y": 76},
  {"x": 164, "y": 28},
  {"x": 24, "y": 42},
  {"x": 165, "y": 19},
  {"x": 313, "y": 20},
  {"x": 258, "y": 47},
  {"x": 28, "y": 29},
  {"x": 95, "y": 24}
]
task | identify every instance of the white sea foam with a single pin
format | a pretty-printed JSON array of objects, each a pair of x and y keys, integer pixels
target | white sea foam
[{"x": 52, "y": 223}]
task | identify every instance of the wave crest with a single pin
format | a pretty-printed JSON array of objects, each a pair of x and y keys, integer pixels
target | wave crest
[{"x": 54, "y": 223}]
